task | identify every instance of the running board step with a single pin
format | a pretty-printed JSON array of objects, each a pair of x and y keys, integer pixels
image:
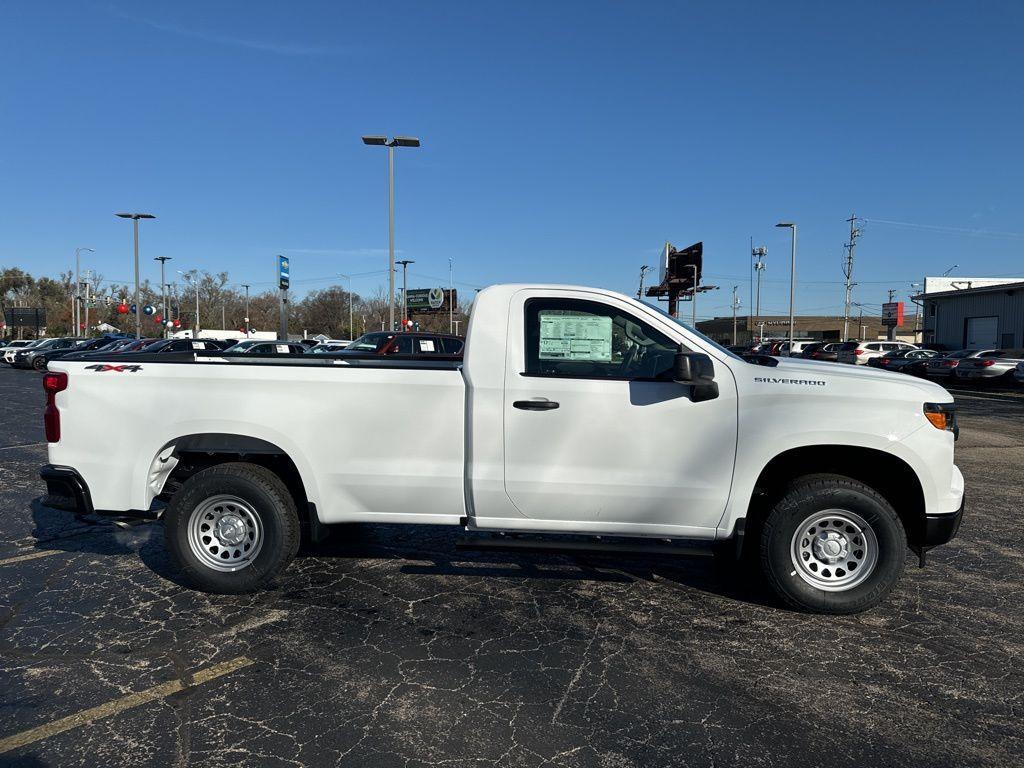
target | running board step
[{"x": 524, "y": 544}]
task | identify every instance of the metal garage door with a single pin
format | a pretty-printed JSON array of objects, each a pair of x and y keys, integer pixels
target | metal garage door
[{"x": 982, "y": 332}]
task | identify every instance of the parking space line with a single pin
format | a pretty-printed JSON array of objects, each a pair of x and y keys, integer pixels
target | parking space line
[
  {"x": 117, "y": 706},
  {"x": 23, "y": 445},
  {"x": 31, "y": 556}
]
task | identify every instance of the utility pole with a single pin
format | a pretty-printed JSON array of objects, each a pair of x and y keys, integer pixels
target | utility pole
[
  {"x": 405, "y": 292},
  {"x": 351, "y": 332},
  {"x": 88, "y": 274},
  {"x": 640, "y": 291},
  {"x": 451, "y": 296},
  {"x": 848, "y": 272},
  {"x": 735, "y": 306},
  {"x": 78, "y": 289},
  {"x": 890, "y": 330},
  {"x": 246, "y": 286},
  {"x": 163, "y": 291},
  {"x": 758, "y": 254}
]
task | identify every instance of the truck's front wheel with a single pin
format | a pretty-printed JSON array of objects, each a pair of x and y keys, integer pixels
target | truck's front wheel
[
  {"x": 232, "y": 528},
  {"x": 832, "y": 545}
]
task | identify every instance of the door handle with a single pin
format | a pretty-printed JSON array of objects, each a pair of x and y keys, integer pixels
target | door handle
[{"x": 535, "y": 405}]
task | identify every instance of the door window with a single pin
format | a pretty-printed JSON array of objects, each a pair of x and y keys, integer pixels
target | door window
[
  {"x": 587, "y": 339},
  {"x": 401, "y": 346}
]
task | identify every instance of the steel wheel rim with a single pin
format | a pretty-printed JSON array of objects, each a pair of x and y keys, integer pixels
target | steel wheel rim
[
  {"x": 834, "y": 550},
  {"x": 225, "y": 533}
]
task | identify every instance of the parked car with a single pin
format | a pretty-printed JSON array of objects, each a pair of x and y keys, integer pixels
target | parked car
[
  {"x": 1018, "y": 373},
  {"x": 326, "y": 347},
  {"x": 564, "y": 416},
  {"x": 187, "y": 345},
  {"x": 259, "y": 347},
  {"x": 942, "y": 367},
  {"x": 901, "y": 360},
  {"x": 989, "y": 369},
  {"x": 43, "y": 357},
  {"x": 798, "y": 348},
  {"x": 406, "y": 343},
  {"x": 859, "y": 352},
  {"x": 827, "y": 353},
  {"x": 35, "y": 356},
  {"x": 14, "y": 345}
]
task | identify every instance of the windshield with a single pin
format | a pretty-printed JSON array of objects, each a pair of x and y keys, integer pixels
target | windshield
[
  {"x": 695, "y": 332},
  {"x": 370, "y": 342}
]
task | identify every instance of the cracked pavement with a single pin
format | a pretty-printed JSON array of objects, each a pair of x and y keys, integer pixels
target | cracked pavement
[{"x": 385, "y": 646}]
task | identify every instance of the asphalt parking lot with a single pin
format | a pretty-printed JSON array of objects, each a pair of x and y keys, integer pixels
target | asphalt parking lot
[{"x": 387, "y": 647}]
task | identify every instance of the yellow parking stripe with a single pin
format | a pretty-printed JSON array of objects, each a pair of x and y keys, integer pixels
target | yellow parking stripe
[
  {"x": 120, "y": 705},
  {"x": 32, "y": 556}
]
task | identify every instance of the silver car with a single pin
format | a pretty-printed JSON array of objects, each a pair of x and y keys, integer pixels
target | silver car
[
  {"x": 1018, "y": 373},
  {"x": 942, "y": 367},
  {"x": 989, "y": 368},
  {"x": 859, "y": 352}
]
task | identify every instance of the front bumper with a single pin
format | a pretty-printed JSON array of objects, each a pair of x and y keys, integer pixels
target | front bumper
[
  {"x": 66, "y": 490},
  {"x": 940, "y": 529}
]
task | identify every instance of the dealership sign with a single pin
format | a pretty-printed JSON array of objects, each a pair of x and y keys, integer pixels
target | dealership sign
[
  {"x": 427, "y": 300},
  {"x": 892, "y": 313}
]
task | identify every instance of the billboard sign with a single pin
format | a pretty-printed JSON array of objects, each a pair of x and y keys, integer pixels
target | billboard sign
[
  {"x": 428, "y": 300},
  {"x": 892, "y": 314},
  {"x": 283, "y": 273},
  {"x": 27, "y": 317}
]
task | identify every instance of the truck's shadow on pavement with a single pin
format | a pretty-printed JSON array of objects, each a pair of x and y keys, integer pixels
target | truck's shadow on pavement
[{"x": 426, "y": 550}]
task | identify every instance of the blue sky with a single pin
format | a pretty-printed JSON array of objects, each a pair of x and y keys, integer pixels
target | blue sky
[{"x": 562, "y": 141}]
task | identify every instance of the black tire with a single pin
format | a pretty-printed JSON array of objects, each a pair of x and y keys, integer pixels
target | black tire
[
  {"x": 39, "y": 364},
  {"x": 815, "y": 494},
  {"x": 278, "y": 519}
]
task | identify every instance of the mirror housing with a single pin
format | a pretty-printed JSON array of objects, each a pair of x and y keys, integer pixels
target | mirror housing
[{"x": 695, "y": 369}]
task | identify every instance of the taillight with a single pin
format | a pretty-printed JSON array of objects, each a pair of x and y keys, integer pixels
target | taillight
[
  {"x": 949, "y": 363},
  {"x": 985, "y": 363},
  {"x": 53, "y": 382},
  {"x": 883, "y": 361},
  {"x": 858, "y": 351}
]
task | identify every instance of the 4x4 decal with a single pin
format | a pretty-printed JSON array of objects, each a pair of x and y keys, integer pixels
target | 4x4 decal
[{"x": 100, "y": 367}]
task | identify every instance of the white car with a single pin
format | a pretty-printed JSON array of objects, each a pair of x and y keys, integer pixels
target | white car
[
  {"x": 8, "y": 351},
  {"x": 859, "y": 352},
  {"x": 798, "y": 348},
  {"x": 573, "y": 411}
]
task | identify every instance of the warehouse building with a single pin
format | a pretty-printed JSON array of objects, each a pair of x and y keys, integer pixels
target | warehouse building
[
  {"x": 970, "y": 315},
  {"x": 816, "y": 327}
]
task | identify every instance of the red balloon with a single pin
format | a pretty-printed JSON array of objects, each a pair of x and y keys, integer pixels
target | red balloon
[
  {"x": 158, "y": 319},
  {"x": 177, "y": 323},
  {"x": 122, "y": 308}
]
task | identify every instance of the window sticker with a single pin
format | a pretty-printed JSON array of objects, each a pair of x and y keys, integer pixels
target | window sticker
[
  {"x": 198, "y": 345},
  {"x": 575, "y": 337},
  {"x": 426, "y": 345},
  {"x": 282, "y": 349}
]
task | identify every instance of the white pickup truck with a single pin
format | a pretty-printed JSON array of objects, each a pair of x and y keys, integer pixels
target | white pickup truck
[{"x": 573, "y": 411}]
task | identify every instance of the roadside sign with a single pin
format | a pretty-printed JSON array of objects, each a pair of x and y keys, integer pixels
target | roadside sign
[
  {"x": 429, "y": 300},
  {"x": 892, "y": 313},
  {"x": 283, "y": 273}
]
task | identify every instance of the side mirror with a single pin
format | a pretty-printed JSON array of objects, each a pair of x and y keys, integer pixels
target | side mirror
[{"x": 695, "y": 369}]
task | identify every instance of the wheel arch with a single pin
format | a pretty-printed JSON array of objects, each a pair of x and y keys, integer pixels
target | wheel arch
[
  {"x": 191, "y": 453},
  {"x": 888, "y": 474}
]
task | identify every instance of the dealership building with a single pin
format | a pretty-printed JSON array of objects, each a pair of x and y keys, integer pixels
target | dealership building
[
  {"x": 973, "y": 313},
  {"x": 817, "y": 327}
]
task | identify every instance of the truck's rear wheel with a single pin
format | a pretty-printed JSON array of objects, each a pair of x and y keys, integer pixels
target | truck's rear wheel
[
  {"x": 232, "y": 528},
  {"x": 832, "y": 545}
]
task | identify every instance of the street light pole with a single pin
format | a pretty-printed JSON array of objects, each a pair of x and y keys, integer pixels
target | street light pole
[
  {"x": 405, "y": 291},
  {"x": 135, "y": 227},
  {"x": 163, "y": 294},
  {"x": 391, "y": 143},
  {"x": 792, "y": 277},
  {"x": 192, "y": 279},
  {"x": 78, "y": 287},
  {"x": 759, "y": 253},
  {"x": 451, "y": 295},
  {"x": 245, "y": 285}
]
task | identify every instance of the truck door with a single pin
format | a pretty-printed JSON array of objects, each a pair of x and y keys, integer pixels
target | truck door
[{"x": 596, "y": 432}]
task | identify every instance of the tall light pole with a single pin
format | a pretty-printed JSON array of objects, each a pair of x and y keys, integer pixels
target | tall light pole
[
  {"x": 640, "y": 290},
  {"x": 405, "y": 290},
  {"x": 735, "y": 306},
  {"x": 246, "y": 286},
  {"x": 351, "y": 333},
  {"x": 397, "y": 141},
  {"x": 758, "y": 254},
  {"x": 78, "y": 287},
  {"x": 135, "y": 226},
  {"x": 792, "y": 276},
  {"x": 944, "y": 274},
  {"x": 163, "y": 293}
]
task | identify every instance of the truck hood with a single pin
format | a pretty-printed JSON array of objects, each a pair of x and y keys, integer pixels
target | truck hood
[{"x": 798, "y": 367}]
